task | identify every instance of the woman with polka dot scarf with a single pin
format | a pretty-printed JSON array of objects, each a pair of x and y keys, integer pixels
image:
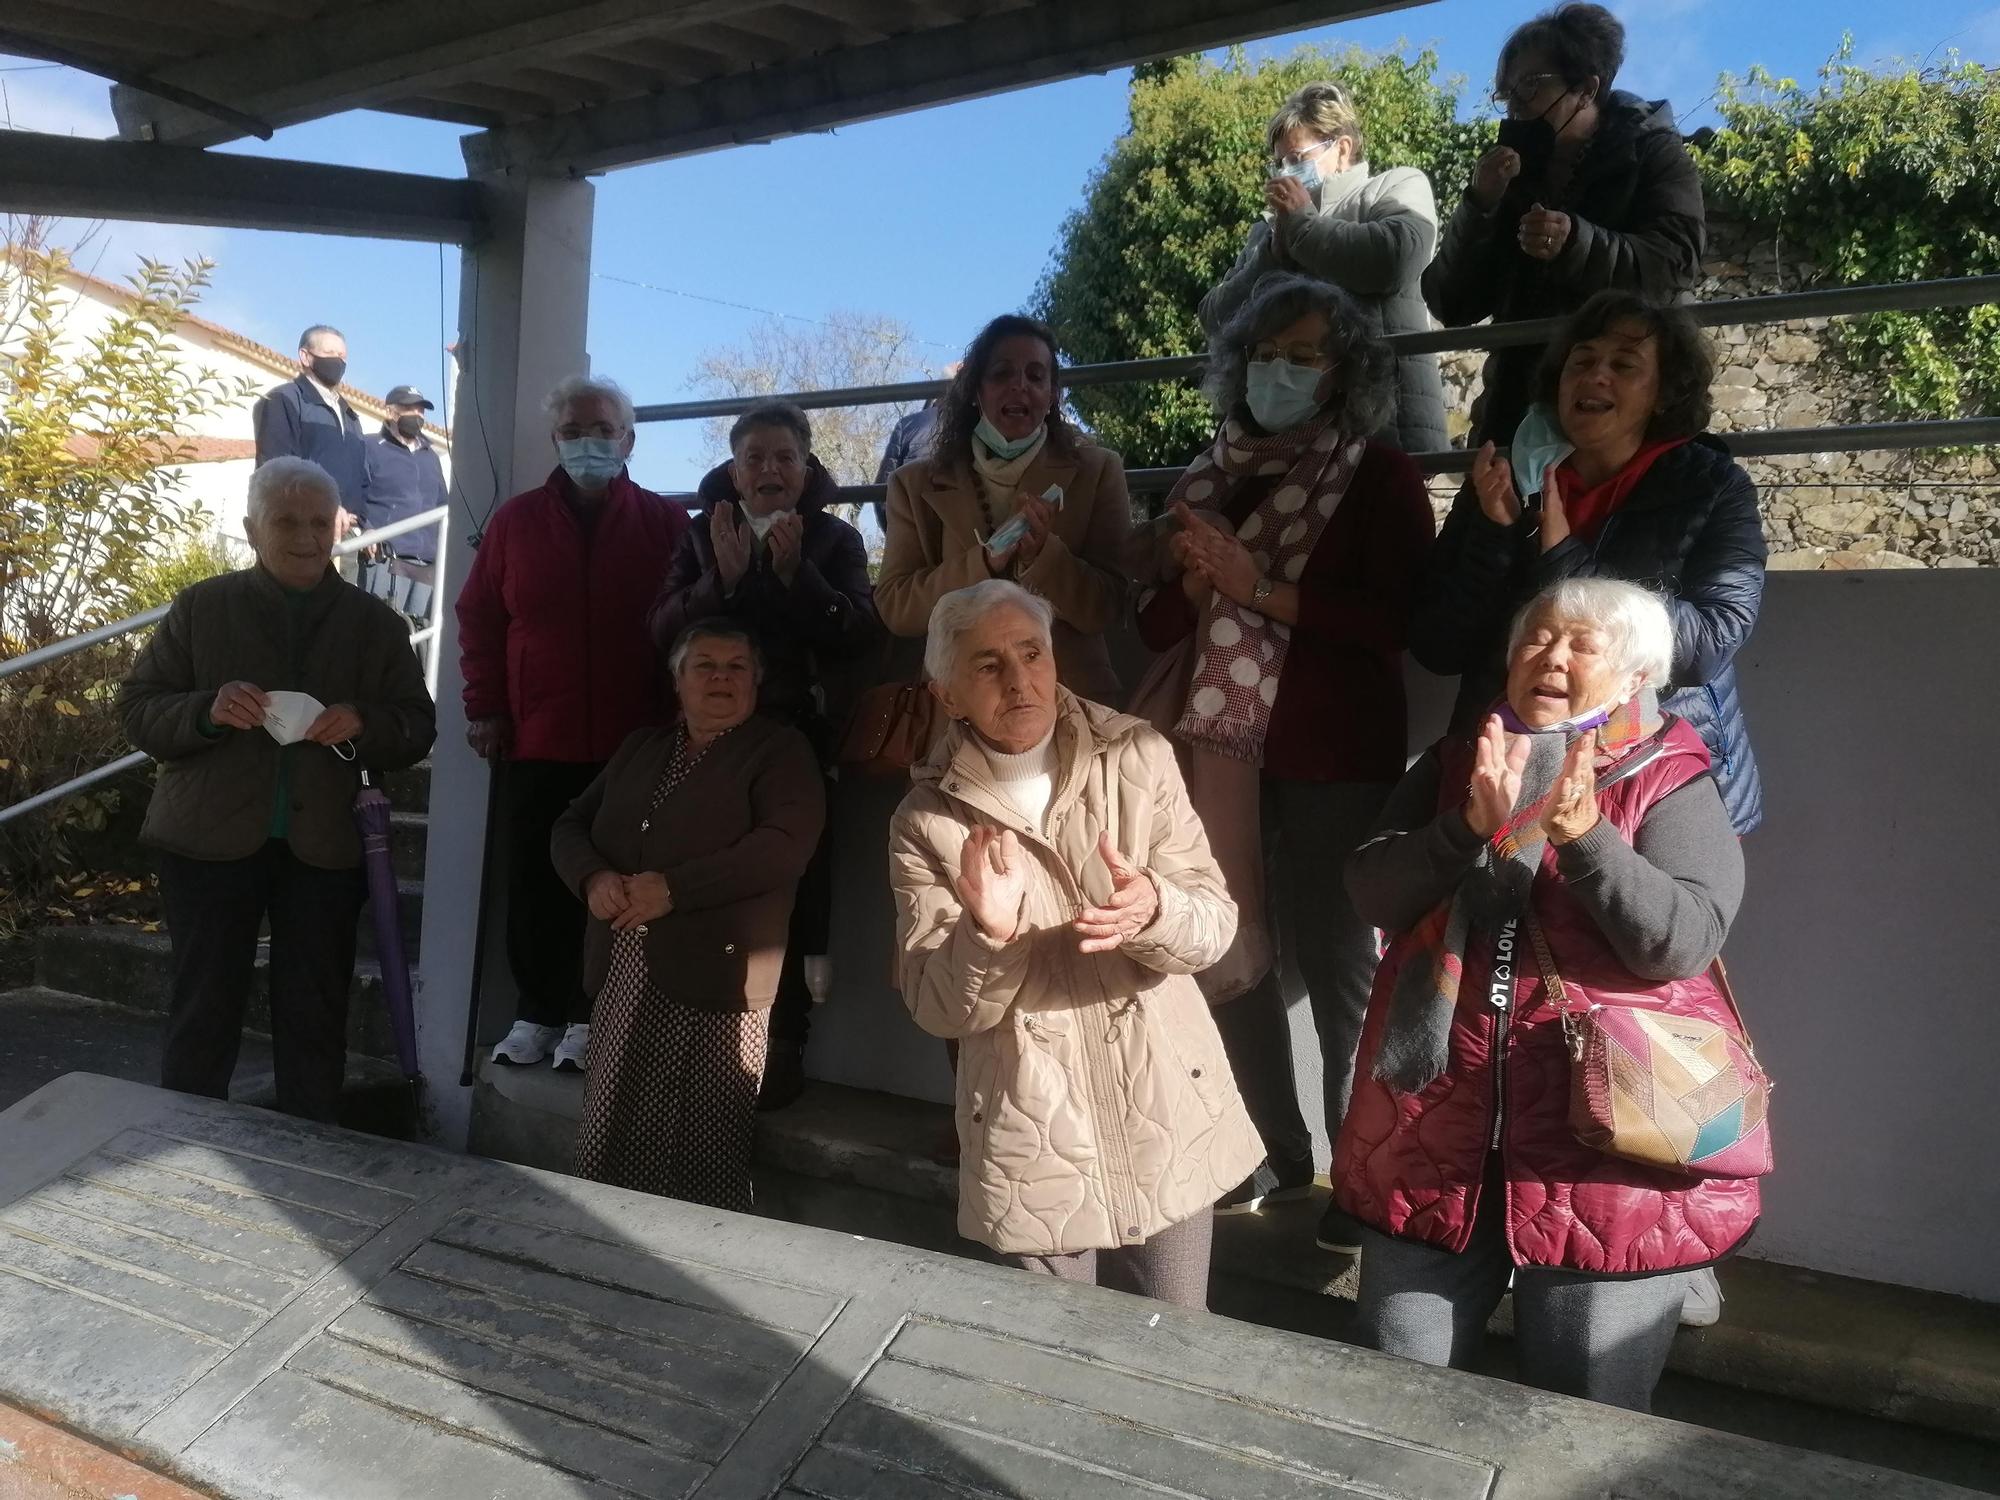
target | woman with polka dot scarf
[{"x": 1282, "y": 576}]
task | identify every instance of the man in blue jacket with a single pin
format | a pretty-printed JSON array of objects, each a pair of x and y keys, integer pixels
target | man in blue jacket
[
  {"x": 309, "y": 418},
  {"x": 405, "y": 479}
]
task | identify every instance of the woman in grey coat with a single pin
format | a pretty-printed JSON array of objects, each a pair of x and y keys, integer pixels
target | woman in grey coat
[{"x": 1370, "y": 235}]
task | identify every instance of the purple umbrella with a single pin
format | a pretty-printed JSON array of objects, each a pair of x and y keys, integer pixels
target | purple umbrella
[{"x": 371, "y": 815}]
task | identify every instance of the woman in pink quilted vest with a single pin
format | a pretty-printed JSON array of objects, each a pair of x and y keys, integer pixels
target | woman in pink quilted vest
[{"x": 1583, "y": 821}]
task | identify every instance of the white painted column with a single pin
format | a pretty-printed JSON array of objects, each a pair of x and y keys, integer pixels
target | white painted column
[{"x": 524, "y": 303}]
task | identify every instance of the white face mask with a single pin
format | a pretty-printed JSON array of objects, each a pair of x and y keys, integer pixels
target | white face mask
[
  {"x": 289, "y": 715},
  {"x": 762, "y": 525}
]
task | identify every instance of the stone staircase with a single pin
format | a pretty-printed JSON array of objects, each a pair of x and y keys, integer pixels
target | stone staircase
[{"x": 131, "y": 971}]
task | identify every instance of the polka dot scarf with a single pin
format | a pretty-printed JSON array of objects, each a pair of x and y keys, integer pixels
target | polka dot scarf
[{"x": 1240, "y": 654}]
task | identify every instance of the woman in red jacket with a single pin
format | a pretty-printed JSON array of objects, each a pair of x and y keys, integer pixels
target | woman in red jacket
[
  {"x": 1609, "y": 848},
  {"x": 558, "y": 671},
  {"x": 1286, "y": 568}
]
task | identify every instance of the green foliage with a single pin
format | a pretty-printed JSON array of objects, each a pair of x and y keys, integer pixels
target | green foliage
[
  {"x": 92, "y": 528},
  {"x": 1167, "y": 212},
  {"x": 1879, "y": 177},
  {"x": 198, "y": 556}
]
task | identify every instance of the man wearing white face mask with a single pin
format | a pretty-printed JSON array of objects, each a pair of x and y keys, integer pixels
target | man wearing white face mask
[
  {"x": 1370, "y": 234},
  {"x": 558, "y": 671}
]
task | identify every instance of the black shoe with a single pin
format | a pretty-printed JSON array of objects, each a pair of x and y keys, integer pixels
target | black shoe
[
  {"x": 1268, "y": 1184},
  {"x": 784, "y": 1078},
  {"x": 1339, "y": 1231}
]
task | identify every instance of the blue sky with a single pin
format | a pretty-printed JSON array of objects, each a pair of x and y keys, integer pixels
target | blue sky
[{"x": 942, "y": 218}]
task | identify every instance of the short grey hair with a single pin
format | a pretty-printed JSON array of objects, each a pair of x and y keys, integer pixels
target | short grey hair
[
  {"x": 778, "y": 414},
  {"x": 1637, "y": 625},
  {"x": 306, "y": 338},
  {"x": 714, "y": 630},
  {"x": 578, "y": 386},
  {"x": 1363, "y": 365},
  {"x": 961, "y": 609},
  {"x": 280, "y": 477}
]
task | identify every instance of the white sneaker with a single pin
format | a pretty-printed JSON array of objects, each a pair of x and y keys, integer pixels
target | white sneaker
[
  {"x": 572, "y": 1049},
  {"x": 526, "y": 1044},
  {"x": 1701, "y": 1305}
]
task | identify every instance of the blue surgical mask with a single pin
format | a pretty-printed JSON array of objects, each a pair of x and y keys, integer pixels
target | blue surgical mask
[
  {"x": 1283, "y": 395},
  {"x": 1538, "y": 446},
  {"x": 591, "y": 462},
  {"x": 1307, "y": 172},
  {"x": 1003, "y": 448}
]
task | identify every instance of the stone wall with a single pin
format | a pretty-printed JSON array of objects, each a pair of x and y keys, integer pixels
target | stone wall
[{"x": 1821, "y": 510}]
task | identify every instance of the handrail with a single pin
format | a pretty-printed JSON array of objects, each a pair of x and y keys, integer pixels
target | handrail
[
  {"x": 43, "y": 655},
  {"x": 1723, "y": 312}
]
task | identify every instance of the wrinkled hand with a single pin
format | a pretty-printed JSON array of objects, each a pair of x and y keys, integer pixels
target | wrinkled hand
[
  {"x": 491, "y": 739},
  {"x": 336, "y": 722},
  {"x": 1493, "y": 482},
  {"x": 238, "y": 705},
  {"x": 1543, "y": 233},
  {"x": 992, "y": 881},
  {"x": 344, "y": 521},
  {"x": 1224, "y": 561},
  {"x": 1286, "y": 195},
  {"x": 646, "y": 900},
  {"x": 604, "y": 894},
  {"x": 1134, "y": 902},
  {"x": 1555, "y": 519},
  {"x": 1572, "y": 808},
  {"x": 1496, "y": 169},
  {"x": 732, "y": 550},
  {"x": 1496, "y": 779},
  {"x": 787, "y": 538},
  {"x": 1041, "y": 516}
]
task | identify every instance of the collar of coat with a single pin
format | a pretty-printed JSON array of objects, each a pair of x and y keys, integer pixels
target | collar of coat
[
  {"x": 958, "y": 767},
  {"x": 1697, "y": 468}
]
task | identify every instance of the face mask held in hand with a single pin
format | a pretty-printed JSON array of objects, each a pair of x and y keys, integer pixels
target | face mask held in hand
[
  {"x": 1282, "y": 395},
  {"x": 590, "y": 462}
]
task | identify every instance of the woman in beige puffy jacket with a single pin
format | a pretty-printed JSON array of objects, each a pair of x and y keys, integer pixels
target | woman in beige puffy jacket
[{"x": 1054, "y": 897}]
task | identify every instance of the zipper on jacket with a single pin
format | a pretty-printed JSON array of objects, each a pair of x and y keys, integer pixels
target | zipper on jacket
[{"x": 1500, "y": 995}]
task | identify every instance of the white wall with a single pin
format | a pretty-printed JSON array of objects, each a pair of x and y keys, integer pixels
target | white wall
[{"x": 1866, "y": 956}]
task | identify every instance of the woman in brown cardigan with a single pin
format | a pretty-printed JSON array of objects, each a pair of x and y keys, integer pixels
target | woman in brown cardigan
[
  {"x": 687, "y": 849},
  {"x": 1002, "y": 442}
]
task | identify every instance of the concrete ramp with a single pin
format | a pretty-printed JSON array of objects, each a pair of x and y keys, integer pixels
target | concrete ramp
[{"x": 271, "y": 1309}]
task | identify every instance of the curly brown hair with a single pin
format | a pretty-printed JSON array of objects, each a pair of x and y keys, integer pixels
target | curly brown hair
[
  {"x": 958, "y": 408},
  {"x": 1687, "y": 368}
]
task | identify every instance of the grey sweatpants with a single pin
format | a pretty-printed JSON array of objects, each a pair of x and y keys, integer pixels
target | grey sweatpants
[
  {"x": 1172, "y": 1266},
  {"x": 1601, "y": 1338}
]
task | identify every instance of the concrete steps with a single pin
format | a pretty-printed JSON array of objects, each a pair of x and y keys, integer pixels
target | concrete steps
[{"x": 857, "y": 1161}]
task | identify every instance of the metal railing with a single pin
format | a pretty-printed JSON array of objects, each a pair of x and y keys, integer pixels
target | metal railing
[
  {"x": 424, "y": 640},
  {"x": 1780, "y": 307}
]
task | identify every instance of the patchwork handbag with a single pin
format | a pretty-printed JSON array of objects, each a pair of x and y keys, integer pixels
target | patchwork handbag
[{"x": 1676, "y": 1092}]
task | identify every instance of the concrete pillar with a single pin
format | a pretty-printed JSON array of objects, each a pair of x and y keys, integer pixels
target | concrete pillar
[{"x": 524, "y": 302}]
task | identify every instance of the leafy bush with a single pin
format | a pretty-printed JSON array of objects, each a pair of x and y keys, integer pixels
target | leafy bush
[
  {"x": 1166, "y": 213},
  {"x": 1879, "y": 177}
]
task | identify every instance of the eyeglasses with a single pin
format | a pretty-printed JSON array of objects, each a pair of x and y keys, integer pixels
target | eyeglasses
[
  {"x": 1278, "y": 164},
  {"x": 1523, "y": 90},
  {"x": 1306, "y": 355}
]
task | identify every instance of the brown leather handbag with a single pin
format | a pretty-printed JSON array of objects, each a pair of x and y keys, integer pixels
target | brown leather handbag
[{"x": 893, "y": 727}]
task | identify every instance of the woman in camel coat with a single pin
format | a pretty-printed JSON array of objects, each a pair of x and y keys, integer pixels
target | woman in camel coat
[{"x": 1002, "y": 442}]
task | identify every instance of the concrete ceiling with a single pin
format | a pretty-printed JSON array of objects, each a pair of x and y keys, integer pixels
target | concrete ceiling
[{"x": 563, "y": 86}]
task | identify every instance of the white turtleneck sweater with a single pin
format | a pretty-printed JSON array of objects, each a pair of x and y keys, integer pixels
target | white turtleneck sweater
[{"x": 1027, "y": 780}]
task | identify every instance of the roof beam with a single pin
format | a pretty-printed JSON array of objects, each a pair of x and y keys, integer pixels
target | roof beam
[
  {"x": 85, "y": 179},
  {"x": 1050, "y": 40},
  {"x": 373, "y": 53}
]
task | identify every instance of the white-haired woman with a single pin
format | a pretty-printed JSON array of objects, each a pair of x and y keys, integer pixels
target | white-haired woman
[
  {"x": 255, "y": 826},
  {"x": 687, "y": 849},
  {"x": 1371, "y": 234},
  {"x": 559, "y": 669},
  {"x": 1582, "y": 820},
  {"x": 1054, "y": 894},
  {"x": 1284, "y": 577}
]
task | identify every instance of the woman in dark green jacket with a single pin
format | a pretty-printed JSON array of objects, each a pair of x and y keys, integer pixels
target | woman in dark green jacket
[{"x": 263, "y": 694}]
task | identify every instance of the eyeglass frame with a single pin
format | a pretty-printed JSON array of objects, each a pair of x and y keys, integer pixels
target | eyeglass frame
[
  {"x": 1522, "y": 90},
  {"x": 1278, "y": 164}
]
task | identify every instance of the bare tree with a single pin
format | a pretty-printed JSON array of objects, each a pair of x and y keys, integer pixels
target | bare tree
[{"x": 787, "y": 355}]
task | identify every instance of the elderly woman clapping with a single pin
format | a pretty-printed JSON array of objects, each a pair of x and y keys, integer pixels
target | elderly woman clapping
[
  {"x": 1287, "y": 566},
  {"x": 1577, "y": 837},
  {"x": 264, "y": 694},
  {"x": 1054, "y": 893},
  {"x": 687, "y": 849}
]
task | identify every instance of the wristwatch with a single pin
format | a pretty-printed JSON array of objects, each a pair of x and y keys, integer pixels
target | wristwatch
[{"x": 1260, "y": 593}]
